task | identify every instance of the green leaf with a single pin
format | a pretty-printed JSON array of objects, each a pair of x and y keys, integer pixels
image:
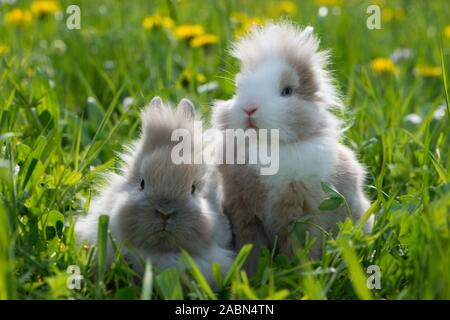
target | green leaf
[
  {"x": 102, "y": 244},
  {"x": 7, "y": 274},
  {"x": 444, "y": 80},
  {"x": 334, "y": 199},
  {"x": 50, "y": 232},
  {"x": 51, "y": 218},
  {"x": 298, "y": 228},
  {"x": 147, "y": 281},
  {"x": 329, "y": 189},
  {"x": 331, "y": 203},
  {"x": 439, "y": 169},
  {"x": 73, "y": 178},
  {"x": 198, "y": 276},
  {"x": 238, "y": 263},
  {"x": 357, "y": 276},
  {"x": 217, "y": 273},
  {"x": 126, "y": 294},
  {"x": 169, "y": 285}
]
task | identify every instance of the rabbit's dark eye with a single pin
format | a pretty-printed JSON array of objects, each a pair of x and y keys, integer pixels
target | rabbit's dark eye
[
  {"x": 287, "y": 91},
  {"x": 193, "y": 189},
  {"x": 142, "y": 184}
]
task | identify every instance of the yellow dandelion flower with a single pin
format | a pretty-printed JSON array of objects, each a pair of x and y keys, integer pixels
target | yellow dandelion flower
[
  {"x": 447, "y": 31},
  {"x": 238, "y": 17},
  {"x": 255, "y": 21},
  {"x": 243, "y": 23},
  {"x": 388, "y": 14},
  {"x": 380, "y": 3},
  {"x": 200, "y": 78},
  {"x": 147, "y": 23},
  {"x": 287, "y": 7},
  {"x": 3, "y": 48},
  {"x": 187, "y": 78},
  {"x": 188, "y": 31},
  {"x": 203, "y": 40},
  {"x": 247, "y": 24},
  {"x": 18, "y": 17},
  {"x": 167, "y": 22},
  {"x": 44, "y": 7},
  {"x": 157, "y": 21},
  {"x": 383, "y": 65},
  {"x": 399, "y": 13},
  {"x": 187, "y": 74},
  {"x": 428, "y": 71}
]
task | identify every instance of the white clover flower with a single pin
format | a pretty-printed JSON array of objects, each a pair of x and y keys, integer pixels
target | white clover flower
[
  {"x": 323, "y": 12},
  {"x": 401, "y": 54},
  {"x": 127, "y": 102},
  {"x": 413, "y": 118},
  {"x": 439, "y": 112}
]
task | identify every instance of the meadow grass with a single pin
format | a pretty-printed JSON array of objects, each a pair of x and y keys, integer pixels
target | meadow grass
[{"x": 65, "y": 110}]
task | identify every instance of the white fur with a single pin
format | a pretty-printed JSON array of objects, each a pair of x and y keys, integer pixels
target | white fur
[
  {"x": 261, "y": 89},
  {"x": 86, "y": 229},
  {"x": 268, "y": 42},
  {"x": 304, "y": 161},
  {"x": 310, "y": 162},
  {"x": 275, "y": 57}
]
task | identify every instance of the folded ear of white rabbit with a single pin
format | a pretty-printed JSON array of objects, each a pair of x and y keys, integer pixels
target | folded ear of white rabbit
[
  {"x": 309, "y": 30},
  {"x": 291, "y": 44}
]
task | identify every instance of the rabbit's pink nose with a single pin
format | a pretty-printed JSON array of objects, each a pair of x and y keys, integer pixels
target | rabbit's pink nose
[{"x": 250, "y": 110}]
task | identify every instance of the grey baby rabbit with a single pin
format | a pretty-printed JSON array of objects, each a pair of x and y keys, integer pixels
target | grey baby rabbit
[
  {"x": 283, "y": 84},
  {"x": 156, "y": 207}
]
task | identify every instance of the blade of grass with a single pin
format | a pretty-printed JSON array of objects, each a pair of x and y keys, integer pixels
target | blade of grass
[
  {"x": 237, "y": 263},
  {"x": 102, "y": 250},
  {"x": 7, "y": 290},
  {"x": 356, "y": 273},
  {"x": 198, "y": 276},
  {"x": 147, "y": 282},
  {"x": 103, "y": 123},
  {"x": 444, "y": 79},
  {"x": 168, "y": 283}
]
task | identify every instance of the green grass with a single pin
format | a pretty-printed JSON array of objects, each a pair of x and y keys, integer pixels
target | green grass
[{"x": 62, "y": 119}]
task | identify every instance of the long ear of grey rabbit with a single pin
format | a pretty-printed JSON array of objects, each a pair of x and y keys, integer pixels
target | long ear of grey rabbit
[
  {"x": 151, "y": 112},
  {"x": 156, "y": 102},
  {"x": 186, "y": 108}
]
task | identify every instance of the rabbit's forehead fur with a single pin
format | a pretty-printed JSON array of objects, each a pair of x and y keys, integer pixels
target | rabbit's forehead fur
[
  {"x": 272, "y": 58},
  {"x": 167, "y": 186},
  {"x": 150, "y": 158},
  {"x": 293, "y": 47},
  {"x": 158, "y": 124},
  {"x": 266, "y": 79},
  {"x": 164, "y": 177}
]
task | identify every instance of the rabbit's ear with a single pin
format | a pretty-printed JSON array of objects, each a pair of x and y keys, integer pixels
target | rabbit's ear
[
  {"x": 154, "y": 108},
  {"x": 156, "y": 102},
  {"x": 186, "y": 108},
  {"x": 309, "y": 30}
]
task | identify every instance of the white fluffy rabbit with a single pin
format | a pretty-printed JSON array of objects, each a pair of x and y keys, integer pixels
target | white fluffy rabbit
[
  {"x": 283, "y": 84},
  {"x": 156, "y": 207}
]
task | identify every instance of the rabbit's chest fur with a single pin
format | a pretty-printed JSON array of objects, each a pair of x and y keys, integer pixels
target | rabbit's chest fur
[
  {"x": 295, "y": 190},
  {"x": 280, "y": 199}
]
